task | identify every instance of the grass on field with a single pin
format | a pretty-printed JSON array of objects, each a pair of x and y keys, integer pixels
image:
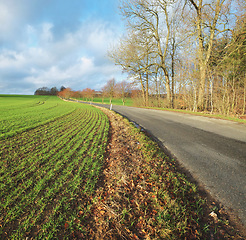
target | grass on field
[
  {"x": 20, "y": 113},
  {"x": 115, "y": 101},
  {"x": 48, "y": 174}
]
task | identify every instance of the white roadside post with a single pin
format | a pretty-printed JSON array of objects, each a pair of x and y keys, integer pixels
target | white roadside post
[{"x": 111, "y": 106}]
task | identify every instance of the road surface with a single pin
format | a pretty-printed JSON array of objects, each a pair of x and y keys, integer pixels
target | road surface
[{"x": 212, "y": 150}]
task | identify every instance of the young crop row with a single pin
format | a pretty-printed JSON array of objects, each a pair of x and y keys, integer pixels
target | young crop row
[
  {"x": 18, "y": 114},
  {"x": 48, "y": 174}
]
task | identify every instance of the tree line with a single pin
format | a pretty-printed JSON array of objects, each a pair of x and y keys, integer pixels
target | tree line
[
  {"x": 188, "y": 54},
  {"x": 111, "y": 89},
  {"x": 48, "y": 91}
]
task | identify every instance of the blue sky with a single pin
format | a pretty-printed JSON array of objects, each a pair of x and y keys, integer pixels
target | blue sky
[{"x": 57, "y": 42}]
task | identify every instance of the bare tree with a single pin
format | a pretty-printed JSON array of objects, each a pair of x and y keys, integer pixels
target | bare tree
[
  {"x": 188, "y": 47},
  {"x": 123, "y": 90},
  {"x": 109, "y": 89},
  {"x": 135, "y": 55},
  {"x": 152, "y": 17},
  {"x": 208, "y": 22},
  {"x": 88, "y": 93}
]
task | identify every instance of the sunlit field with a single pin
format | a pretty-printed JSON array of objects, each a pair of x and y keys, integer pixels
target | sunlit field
[{"x": 51, "y": 155}]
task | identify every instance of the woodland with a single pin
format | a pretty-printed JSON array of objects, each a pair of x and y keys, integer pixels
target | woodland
[{"x": 185, "y": 54}]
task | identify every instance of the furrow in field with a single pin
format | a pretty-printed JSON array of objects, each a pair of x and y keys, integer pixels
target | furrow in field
[
  {"x": 18, "y": 121},
  {"x": 35, "y": 145},
  {"x": 47, "y": 155},
  {"x": 38, "y": 185},
  {"x": 72, "y": 190}
]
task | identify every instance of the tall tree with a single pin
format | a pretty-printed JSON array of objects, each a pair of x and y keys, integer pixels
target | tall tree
[
  {"x": 54, "y": 91},
  {"x": 88, "y": 93},
  {"x": 135, "y": 55},
  {"x": 227, "y": 64},
  {"x": 123, "y": 90},
  {"x": 152, "y": 17},
  {"x": 110, "y": 89},
  {"x": 207, "y": 21}
]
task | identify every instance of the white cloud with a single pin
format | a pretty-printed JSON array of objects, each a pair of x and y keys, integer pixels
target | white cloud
[
  {"x": 13, "y": 16},
  {"x": 85, "y": 66},
  {"x": 47, "y": 35},
  {"x": 101, "y": 36},
  {"x": 42, "y": 56},
  {"x": 50, "y": 77},
  {"x": 5, "y": 17}
]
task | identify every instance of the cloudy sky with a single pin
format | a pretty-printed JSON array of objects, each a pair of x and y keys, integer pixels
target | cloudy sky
[{"x": 57, "y": 42}]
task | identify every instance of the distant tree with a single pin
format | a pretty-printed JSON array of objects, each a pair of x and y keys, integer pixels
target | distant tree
[
  {"x": 77, "y": 94},
  {"x": 109, "y": 89},
  {"x": 88, "y": 93},
  {"x": 62, "y": 88},
  {"x": 123, "y": 90},
  {"x": 46, "y": 91},
  {"x": 54, "y": 91},
  {"x": 66, "y": 93},
  {"x": 42, "y": 91}
]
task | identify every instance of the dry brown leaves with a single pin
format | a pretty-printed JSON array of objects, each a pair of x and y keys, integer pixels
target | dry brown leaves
[{"x": 111, "y": 211}]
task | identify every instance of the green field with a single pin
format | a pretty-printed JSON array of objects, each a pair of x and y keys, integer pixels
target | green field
[
  {"x": 115, "y": 101},
  {"x": 51, "y": 155},
  {"x": 20, "y": 113}
]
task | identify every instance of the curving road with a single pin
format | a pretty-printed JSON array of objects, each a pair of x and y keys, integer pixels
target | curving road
[{"x": 213, "y": 150}]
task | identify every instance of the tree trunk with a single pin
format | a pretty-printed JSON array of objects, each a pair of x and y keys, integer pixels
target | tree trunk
[
  {"x": 172, "y": 91},
  {"x": 195, "y": 101},
  {"x": 143, "y": 90},
  {"x": 211, "y": 100},
  {"x": 244, "y": 95},
  {"x": 201, "y": 92},
  {"x": 147, "y": 90},
  {"x": 168, "y": 92}
]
